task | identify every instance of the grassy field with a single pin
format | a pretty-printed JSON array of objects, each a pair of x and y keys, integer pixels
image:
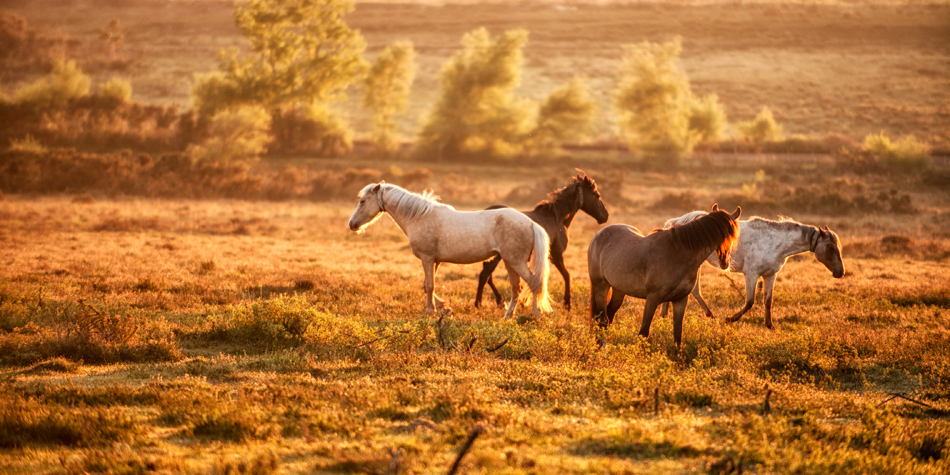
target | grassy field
[
  {"x": 145, "y": 332},
  {"x": 185, "y": 336},
  {"x": 844, "y": 68}
]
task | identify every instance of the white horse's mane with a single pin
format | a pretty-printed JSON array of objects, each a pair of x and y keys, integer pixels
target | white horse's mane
[{"x": 407, "y": 203}]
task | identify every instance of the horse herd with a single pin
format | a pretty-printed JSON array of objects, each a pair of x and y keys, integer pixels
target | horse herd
[{"x": 661, "y": 267}]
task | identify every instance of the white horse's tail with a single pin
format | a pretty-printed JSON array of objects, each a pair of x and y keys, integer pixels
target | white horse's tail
[{"x": 540, "y": 269}]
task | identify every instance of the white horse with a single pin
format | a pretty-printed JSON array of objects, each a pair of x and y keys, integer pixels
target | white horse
[
  {"x": 763, "y": 248},
  {"x": 438, "y": 233}
]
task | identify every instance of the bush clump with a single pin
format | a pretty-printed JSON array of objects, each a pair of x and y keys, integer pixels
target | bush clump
[
  {"x": 763, "y": 128},
  {"x": 907, "y": 153}
]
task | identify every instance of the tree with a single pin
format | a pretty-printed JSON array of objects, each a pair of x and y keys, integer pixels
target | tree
[
  {"x": 566, "y": 114},
  {"x": 300, "y": 52},
  {"x": 652, "y": 101},
  {"x": 658, "y": 113},
  {"x": 387, "y": 91},
  {"x": 476, "y": 111}
]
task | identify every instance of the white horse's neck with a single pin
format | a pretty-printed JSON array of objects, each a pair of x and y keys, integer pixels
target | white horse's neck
[{"x": 404, "y": 207}]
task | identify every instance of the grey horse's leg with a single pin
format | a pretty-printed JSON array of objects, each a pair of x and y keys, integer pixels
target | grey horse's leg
[
  {"x": 750, "y": 281},
  {"x": 698, "y": 295},
  {"x": 769, "y": 284}
]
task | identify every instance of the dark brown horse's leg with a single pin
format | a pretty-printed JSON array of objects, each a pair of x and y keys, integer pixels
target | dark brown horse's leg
[
  {"x": 750, "y": 281},
  {"x": 649, "y": 309},
  {"x": 664, "y": 309},
  {"x": 769, "y": 284},
  {"x": 698, "y": 295},
  {"x": 485, "y": 277},
  {"x": 558, "y": 261},
  {"x": 679, "y": 311},
  {"x": 616, "y": 301}
]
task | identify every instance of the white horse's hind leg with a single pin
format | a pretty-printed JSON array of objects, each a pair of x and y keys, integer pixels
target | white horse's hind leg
[
  {"x": 515, "y": 281},
  {"x": 429, "y": 267},
  {"x": 750, "y": 281}
]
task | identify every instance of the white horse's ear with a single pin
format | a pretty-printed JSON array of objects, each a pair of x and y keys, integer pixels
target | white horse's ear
[
  {"x": 738, "y": 212},
  {"x": 715, "y": 207},
  {"x": 376, "y": 188},
  {"x": 382, "y": 182}
]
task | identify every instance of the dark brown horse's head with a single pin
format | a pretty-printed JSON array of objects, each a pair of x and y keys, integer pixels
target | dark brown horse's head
[
  {"x": 589, "y": 199},
  {"x": 828, "y": 251}
]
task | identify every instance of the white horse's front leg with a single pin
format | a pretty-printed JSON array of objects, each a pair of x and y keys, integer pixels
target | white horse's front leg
[
  {"x": 769, "y": 284},
  {"x": 429, "y": 266},
  {"x": 750, "y": 280}
]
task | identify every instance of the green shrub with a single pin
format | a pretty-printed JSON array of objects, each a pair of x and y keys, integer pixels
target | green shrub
[
  {"x": 387, "y": 91},
  {"x": 566, "y": 114},
  {"x": 119, "y": 89},
  {"x": 65, "y": 83},
  {"x": 236, "y": 135},
  {"x": 761, "y": 129},
  {"x": 310, "y": 129},
  {"x": 907, "y": 153},
  {"x": 707, "y": 118}
]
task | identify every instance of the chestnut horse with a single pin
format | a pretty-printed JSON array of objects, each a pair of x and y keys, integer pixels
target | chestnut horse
[{"x": 660, "y": 267}]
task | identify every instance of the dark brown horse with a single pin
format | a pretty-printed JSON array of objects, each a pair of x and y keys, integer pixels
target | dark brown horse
[
  {"x": 660, "y": 267},
  {"x": 555, "y": 216}
]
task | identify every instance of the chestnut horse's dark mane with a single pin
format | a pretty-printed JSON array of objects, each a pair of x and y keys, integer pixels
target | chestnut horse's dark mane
[
  {"x": 715, "y": 230},
  {"x": 562, "y": 201}
]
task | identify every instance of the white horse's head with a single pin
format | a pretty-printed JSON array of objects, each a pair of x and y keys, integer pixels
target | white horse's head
[{"x": 369, "y": 209}]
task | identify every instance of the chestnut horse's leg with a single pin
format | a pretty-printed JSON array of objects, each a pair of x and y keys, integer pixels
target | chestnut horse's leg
[
  {"x": 750, "y": 281},
  {"x": 649, "y": 309},
  {"x": 697, "y": 294},
  {"x": 558, "y": 261},
  {"x": 616, "y": 301},
  {"x": 486, "y": 277},
  {"x": 769, "y": 284},
  {"x": 679, "y": 311}
]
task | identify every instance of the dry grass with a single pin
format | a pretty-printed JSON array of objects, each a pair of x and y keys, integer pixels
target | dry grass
[
  {"x": 848, "y": 68},
  {"x": 292, "y": 345}
]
